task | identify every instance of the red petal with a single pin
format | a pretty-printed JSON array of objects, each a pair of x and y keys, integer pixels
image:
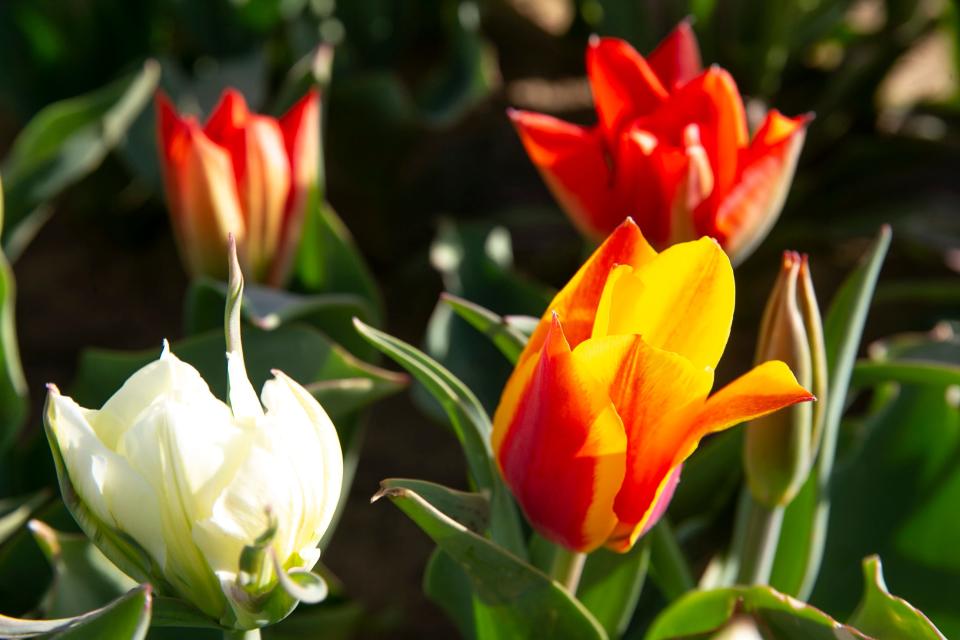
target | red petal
[
  {"x": 575, "y": 166},
  {"x": 676, "y": 60},
  {"x": 560, "y": 446},
  {"x": 226, "y": 127},
  {"x": 624, "y": 86}
]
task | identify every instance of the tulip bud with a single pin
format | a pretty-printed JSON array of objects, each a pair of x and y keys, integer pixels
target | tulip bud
[
  {"x": 220, "y": 504},
  {"x": 780, "y": 448},
  {"x": 242, "y": 173}
]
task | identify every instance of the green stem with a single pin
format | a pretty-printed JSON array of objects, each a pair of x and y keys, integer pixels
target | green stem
[
  {"x": 252, "y": 634},
  {"x": 758, "y": 544},
  {"x": 668, "y": 566},
  {"x": 567, "y": 568}
]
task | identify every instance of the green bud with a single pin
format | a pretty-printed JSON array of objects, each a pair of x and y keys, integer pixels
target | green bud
[{"x": 780, "y": 449}]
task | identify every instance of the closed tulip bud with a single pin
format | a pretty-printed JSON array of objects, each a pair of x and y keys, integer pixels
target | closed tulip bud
[
  {"x": 220, "y": 504},
  {"x": 670, "y": 148},
  {"x": 612, "y": 392},
  {"x": 780, "y": 448},
  {"x": 242, "y": 173}
]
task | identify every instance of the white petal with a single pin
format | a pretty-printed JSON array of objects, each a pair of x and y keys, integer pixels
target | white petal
[
  {"x": 243, "y": 399},
  {"x": 319, "y": 466},
  {"x": 107, "y": 484},
  {"x": 166, "y": 375}
]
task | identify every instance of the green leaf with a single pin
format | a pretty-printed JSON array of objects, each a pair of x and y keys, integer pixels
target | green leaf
[
  {"x": 127, "y": 617},
  {"x": 15, "y": 512},
  {"x": 505, "y": 337},
  {"x": 611, "y": 584},
  {"x": 476, "y": 263},
  {"x": 886, "y": 616},
  {"x": 470, "y": 425},
  {"x": 268, "y": 308},
  {"x": 804, "y": 531},
  {"x": 448, "y": 586},
  {"x": 518, "y": 601},
  {"x": 83, "y": 578},
  {"x": 328, "y": 260},
  {"x": 65, "y": 142},
  {"x": 329, "y": 621},
  {"x": 868, "y": 373},
  {"x": 173, "y": 612},
  {"x": 472, "y": 510},
  {"x": 782, "y": 617},
  {"x": 339, "y": 381},
  {"x": 13, "y": 385}
]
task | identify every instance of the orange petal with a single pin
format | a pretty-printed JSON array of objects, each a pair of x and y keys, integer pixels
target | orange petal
[
  {"x": 681, "y": 301},
  {"x": 750, "y": 209},
  {"x": 626, "y": 534},
  {"x": 301, "y": 138},
  {"x": 573, "y": 163},
  {"x": 624, "y": 86},
  {"x": 560, "y": 446},
  {"x": 649, "y": 388},
  {"x": 577, "y": 301},
  {"x": 226, "y": 126},
  {"x": 209, "y": 207},
  {"x": 676, "y": 60}
]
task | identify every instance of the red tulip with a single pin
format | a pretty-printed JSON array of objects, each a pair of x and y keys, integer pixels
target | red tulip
[
  {"x": 671, "y": 150},
  {"x": 243, "y": 173}
]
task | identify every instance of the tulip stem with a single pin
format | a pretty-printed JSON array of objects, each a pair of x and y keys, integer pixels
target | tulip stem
[
  {"x": 758, "y": 545},
  {"x": 252, "y": 634},
  {"x": 567, "y": 568},
  {"x": 668, "y": 566}
]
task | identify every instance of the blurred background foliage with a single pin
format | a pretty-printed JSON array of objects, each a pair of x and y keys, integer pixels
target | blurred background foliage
[{"x": 426, "y": 173}]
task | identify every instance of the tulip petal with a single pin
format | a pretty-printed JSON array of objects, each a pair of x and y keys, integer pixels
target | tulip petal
[
  {"x": 226, "y": 125},
  {"x": 647, "y": 174},
  {"x": 562, "y": 447},
  {"x": 577, "y": 302},
  {"x": 574, "y": 165},
  {"x": 301, "y": 139},
  {"x": 623, "y": 84},
  {"x": 676, "y": 60},
  {"x": 108, "y": 486},
  {"x": 650, "y": 388},
  {"x": 681, "y": 301},
  {"x": 750, "y": 209}
]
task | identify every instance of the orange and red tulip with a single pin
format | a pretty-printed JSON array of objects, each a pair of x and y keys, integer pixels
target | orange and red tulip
[
  {"x": 242, "y": 173},
  {"x": 671, "y": 150},
  {"x": 612, "y": 392}
]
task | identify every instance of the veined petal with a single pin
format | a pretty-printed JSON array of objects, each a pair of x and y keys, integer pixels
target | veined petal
[
  {"x": 562, "y": 451},
  {"x": 750, "y": 209},
  {"x": 676, "y": 60},
  {"x": 301, "y": 139},
  {"x": 649, "y": 388},
  {"x": 574, "y": 165},
  {"x": 624, "y": 86},
  {"x": 577, "y": 302},
  {"x": 681, "y": 301}
]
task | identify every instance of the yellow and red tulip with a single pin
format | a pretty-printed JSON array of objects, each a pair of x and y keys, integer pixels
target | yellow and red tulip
[
  {"x": 612, "y": 392},
  {"x": 671, "y": 149},
  {"x": 242, "y": 173}
]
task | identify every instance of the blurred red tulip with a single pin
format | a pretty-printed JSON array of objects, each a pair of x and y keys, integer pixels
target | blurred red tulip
[
  {"x": 671, "y": 150},
  {"x": 243, "y": 173}
]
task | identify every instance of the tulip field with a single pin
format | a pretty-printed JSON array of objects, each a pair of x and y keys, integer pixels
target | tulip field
[{"x": 489, "y": 319}]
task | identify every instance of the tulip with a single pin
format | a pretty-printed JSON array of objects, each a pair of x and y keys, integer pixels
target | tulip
[
  {"x": 192, "y": 494},
  {"x": 779, "y": 449},
  {"x": 243, "y": 173},
  {"x": 610, "y": 394},
  {"x": 671, "y": 149}
]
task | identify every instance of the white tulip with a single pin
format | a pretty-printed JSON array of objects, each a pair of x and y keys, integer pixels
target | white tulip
[{"x": 193, "y": 481}]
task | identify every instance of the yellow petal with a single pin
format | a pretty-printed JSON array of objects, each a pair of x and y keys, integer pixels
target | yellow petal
[{"x": 681, "y": 301}]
